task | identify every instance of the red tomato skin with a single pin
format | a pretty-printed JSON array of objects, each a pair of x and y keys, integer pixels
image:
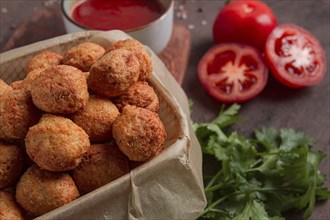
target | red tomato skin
[
  {"x": 237, "y": 23},
  {"x": 233, "y": 98},
  {"x": 276, "y": 66}
]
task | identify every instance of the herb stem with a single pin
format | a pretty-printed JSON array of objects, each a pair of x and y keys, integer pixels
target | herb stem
[
  {"x": 213, "y": 188},
  {"x": 214, "y": 178},
  {"x": 217, "y": 202}
]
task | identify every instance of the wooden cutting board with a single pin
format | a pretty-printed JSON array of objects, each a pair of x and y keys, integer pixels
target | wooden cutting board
[
  {"x": 47, "y": 23},
  {"x": 176, "y": 54}
]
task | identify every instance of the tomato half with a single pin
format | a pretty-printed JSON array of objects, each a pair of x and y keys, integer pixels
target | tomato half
[
  {"x": 244, "y": 21},
  {"x": 232, "y": 72},
  {"x": 294, "y": 56}
]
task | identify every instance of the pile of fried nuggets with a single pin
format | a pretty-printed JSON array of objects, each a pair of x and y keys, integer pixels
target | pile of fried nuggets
[{"x": 83, "y": 120}]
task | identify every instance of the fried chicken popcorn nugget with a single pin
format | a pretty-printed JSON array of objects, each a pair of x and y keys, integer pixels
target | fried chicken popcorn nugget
[
  {"x": 26, "y": 83},
  {"x": 56, "y": 143},
  {"x": 11, "y": 163},
  {"x": 83, "y": 56},
  {"x": 139, "y": 51},
  {"x": 140, "y": 94},
  {"x": 43, "y": 60},
  {"x": 139, "y": 133},
  {"x": 133, "y": 164},
  {"x": 114, "y": 73},
  {"x": 9, "y": 209},
  {"x": 61, "y": 89},
  {"x": 97, "y": 118},
  {"x": 40, "y": 191},
  {"x": 100, "y": 165},
  {"x": 17, "y": 85},
  {"x": 17, "y": 114},
  {"x": 4, "y": 87}
]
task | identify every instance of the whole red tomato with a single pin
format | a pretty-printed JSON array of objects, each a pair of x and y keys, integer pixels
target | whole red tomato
[{"x": 246, "y": 22}]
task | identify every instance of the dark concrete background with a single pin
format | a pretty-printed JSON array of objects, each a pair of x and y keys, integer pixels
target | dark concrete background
[{"x": 305, "y": 109}]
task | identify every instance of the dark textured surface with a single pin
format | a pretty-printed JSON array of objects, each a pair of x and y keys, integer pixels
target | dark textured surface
[{"x": 306, "y": 109}]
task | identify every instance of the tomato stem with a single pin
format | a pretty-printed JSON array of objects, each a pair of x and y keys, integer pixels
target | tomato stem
[{"x": 227, "y": 2}]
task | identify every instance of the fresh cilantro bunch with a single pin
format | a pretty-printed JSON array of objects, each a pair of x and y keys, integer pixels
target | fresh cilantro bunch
[{"x": 260, "y": 177}]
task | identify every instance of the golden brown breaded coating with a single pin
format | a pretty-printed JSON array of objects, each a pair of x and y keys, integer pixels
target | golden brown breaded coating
[
  {"x": 86, "y": 74},
  {"x": 114, "y": 73},
  {"x": 43, "y": 60},
  {"x": 11, "y": 163},
  {"x": 139, "y": 51},
  {"x": 100, "y": 165},
  {"x": 133, "y": 164},
  {"x": 139, "y": 133},
  {"x": 40, "y": 191},
  {"x": 140, "y": 94},
  {"x": 9, "y": 209},
  {"x": 26, "y": 83},
  {"x": 56, "y": 143},
  {"x": 17, "y": 114},
  {"x": 4, "y": 87},
  {"x": 61, "y": 89},
  {"x": 17, "y": 85},
  {"x": 97, "y": 118},
  {"x": 83, "y": 56}
]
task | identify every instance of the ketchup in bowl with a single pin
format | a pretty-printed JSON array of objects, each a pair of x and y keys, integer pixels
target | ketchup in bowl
[{"x": 117, "y": 14}]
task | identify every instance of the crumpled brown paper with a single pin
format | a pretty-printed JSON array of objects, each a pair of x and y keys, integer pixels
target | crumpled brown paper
[{"x": 168, "y": 187}]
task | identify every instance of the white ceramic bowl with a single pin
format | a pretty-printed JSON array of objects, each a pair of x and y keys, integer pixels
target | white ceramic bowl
[{"x": 156, "y": 34}]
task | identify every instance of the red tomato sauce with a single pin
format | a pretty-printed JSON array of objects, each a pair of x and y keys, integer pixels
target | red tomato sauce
[{"x": 117, "y": 14}]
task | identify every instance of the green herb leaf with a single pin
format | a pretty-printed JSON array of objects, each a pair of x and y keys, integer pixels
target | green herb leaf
[
  {"x": 252, "y": 210},
  {"x": 267, "y": 137},
  {"x": 262, "y": 176},
  {"x": 227, "y": 116},
  {"x": 291, "y": 139}
]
